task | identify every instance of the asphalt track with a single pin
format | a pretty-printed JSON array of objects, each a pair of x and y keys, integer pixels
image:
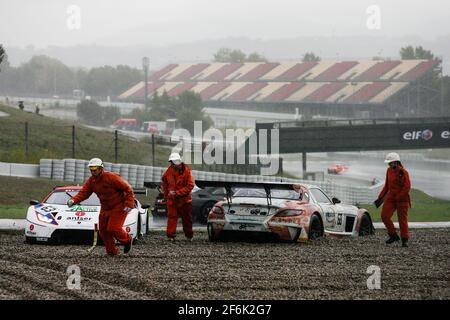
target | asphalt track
[
  {"x": 431, "y": 180},
  {"x": 328, "y": 268}
]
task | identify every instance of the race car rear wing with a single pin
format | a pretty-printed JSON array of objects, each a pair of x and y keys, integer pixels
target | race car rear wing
[
  {"x": 153, "y": 185},
  {"x": 228, "y": 185},
  {"x": 140, "y": 191}
]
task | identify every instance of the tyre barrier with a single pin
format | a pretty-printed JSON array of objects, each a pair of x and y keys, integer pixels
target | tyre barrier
[
  {"x": 77, "y": 170},
  {"x": 80, "y": 165},
  {"x": 107, "y": 166},
  {"x": 132, "y": 175},
  {"x": 124, "y": 171},
  {"x": 115, "y": 168},
  {"x": 45, "y": 168},
  {"x": 69, "y": 169},
  {"x": 58, "y": 170},
  {"x": 140, "y": 176}
]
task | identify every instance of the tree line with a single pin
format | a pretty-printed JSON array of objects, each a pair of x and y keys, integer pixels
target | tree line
[
  {"x": 186, "y": 108},
  {"x": 43, "y": 75}
]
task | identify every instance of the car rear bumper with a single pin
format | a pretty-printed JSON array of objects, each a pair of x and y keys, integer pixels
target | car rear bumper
[{"x": 241, "y": 230}]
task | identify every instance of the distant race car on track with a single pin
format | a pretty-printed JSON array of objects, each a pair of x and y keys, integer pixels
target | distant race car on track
[
  {"x": 52, "y": 221},
  {"x": 281, "y": 211},
  {"x": 337, "y": 169}
]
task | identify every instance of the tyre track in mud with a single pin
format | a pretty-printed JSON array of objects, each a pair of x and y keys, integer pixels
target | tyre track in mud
[
  {"x": 94, "y": 282},
  {"x": 158, "y": 269}
]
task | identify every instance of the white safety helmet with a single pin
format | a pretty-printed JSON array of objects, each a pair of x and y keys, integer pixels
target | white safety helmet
[
  {"x": 174, "y": 157},
  {"x": 391, "y": 157},
  {"x": 95, "y": 162}
]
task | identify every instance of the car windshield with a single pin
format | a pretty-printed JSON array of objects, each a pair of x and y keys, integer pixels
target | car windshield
[
  {"x": 260, "y": 193},
  {"x": 61, "y": 197}
]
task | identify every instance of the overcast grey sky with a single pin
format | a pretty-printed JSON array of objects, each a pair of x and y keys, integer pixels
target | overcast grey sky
[{"x": 122, "y": 22}]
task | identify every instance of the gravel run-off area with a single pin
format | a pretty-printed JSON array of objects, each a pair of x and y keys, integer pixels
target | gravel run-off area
[{"x": 327, "y": 268}]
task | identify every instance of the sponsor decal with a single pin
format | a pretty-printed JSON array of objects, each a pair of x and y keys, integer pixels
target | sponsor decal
[
  {"x": 79, "y": 208},
  {"x": 80, "y": 213},
  {"x": 31, "y": 233},
  {"x": 46, "y": 214},
  {"x": 418, "y": 135},
  {"x": 82, "y": 219},
  {"x": 445, "y": 134}
]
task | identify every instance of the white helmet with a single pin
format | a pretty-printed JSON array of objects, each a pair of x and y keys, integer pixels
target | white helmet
[
  {"x": 391, "y": 157},
  {"x": 174, "y": 157},
  {"x": 95, "y": 162}
]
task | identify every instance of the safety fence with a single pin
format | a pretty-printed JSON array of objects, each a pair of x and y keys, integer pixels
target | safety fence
[{"x": 76, "y": 170}]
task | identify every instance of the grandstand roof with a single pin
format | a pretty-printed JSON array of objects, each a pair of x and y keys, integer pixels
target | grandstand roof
[{"x": 302, "y": 82}]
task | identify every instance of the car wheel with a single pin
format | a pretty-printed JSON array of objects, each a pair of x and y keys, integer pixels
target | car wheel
[
  {"x": 138, "y": 230},
  {"x": 212, "y": 236},
  {"x": 147, "y": 226},
  {"x": 365, "y": 226},
  {"x": 203, "y": 216},
  {"x": 315, "y": 228}
]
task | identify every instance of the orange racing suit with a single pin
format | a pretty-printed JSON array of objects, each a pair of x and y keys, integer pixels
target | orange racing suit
[{"x": 115, "y": 195}]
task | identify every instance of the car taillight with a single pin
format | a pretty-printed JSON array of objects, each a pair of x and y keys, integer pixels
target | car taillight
[
  {"x": 289, "y": 213},
  {"x": 217, "y": 210}
]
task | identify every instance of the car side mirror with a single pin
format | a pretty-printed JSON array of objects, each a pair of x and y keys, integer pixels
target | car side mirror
[
  {"x": 336, "y": 201},
  {"x": 145, "y": 206},
  {"x": 34, "y": 202}
]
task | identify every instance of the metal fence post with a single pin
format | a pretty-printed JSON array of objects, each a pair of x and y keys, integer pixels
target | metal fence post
[
  {"x": 116, "y": 145},
  {"x": 73, "y": 142},
  {"x": 153, "y": 150},
  {"x": 26, "y": 140}
]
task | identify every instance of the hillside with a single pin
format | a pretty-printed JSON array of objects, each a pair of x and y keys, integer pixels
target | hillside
[{"x": 52, "y": 138}]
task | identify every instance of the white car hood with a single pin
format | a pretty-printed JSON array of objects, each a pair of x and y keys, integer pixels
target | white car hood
[{"x": 61, "y": 216}]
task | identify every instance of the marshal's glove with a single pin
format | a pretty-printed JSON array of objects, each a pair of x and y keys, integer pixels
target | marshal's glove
[
  {"x": 70, "y": 203},
  {"x": 378, "y": 202}
]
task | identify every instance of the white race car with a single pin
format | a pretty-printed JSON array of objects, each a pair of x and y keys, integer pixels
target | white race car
[
  {"x": 52, "y": 221},
  {"x": 283, "y": 211}
]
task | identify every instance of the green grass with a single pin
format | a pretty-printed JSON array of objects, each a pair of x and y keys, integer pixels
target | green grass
[
  {"x": 424, "y": 209},
  {"x": 52, "y": 138},
  {"x": 16, "y": 193},
  {"x": 13, "y": 212}
]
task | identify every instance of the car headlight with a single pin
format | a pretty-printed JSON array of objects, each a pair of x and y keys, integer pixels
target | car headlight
[
  {"x": 289, "y": 213},
  {"x": 46, "y": 218}
]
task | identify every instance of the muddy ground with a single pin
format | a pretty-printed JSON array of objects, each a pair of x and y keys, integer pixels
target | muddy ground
[{"x": 158, "y": 269}]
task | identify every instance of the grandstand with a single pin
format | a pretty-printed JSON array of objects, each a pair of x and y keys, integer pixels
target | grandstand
[{"x": 336, "y": 89}]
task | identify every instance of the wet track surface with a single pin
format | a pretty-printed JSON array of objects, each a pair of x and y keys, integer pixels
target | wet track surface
[
  {"x": 158, "y": 269},
  {"x": 431, "y": 180}
]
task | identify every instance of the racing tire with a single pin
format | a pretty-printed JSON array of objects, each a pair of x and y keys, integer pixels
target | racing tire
[
  {"x": 212, "y": 235},
  {"x": 315, "y": 228},
  {"x": 204, "y": 212},
  {"x": 366, "y": 227},
  {"x": 147, "y": 226},
  {"x": 138, "y": 230}
]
